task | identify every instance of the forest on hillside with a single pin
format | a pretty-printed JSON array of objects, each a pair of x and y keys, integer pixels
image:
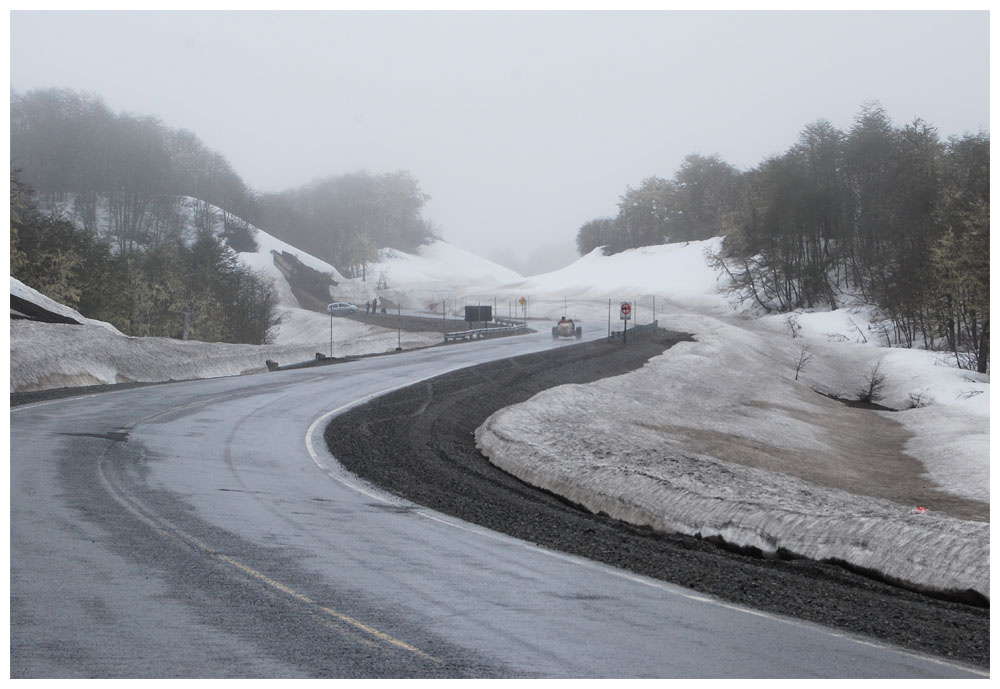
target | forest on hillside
[
  {"x": 69, "y": 145},
  {"x": 892, "y": 217},
  {"x": 101, "y": 220},
  {"x": 197, "y": 290}
]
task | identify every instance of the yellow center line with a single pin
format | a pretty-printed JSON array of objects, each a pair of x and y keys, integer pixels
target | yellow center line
[{"x": 145, "y": 514}]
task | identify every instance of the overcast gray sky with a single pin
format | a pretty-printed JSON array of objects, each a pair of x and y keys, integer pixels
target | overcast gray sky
[{"x": 521, "y": 126}]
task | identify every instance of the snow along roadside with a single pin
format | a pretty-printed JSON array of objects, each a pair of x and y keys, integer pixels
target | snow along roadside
[
  {"x": 633, "y": 447},
  {"x": 50, "y": 355}
]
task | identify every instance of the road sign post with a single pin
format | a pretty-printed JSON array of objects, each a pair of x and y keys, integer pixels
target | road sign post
[
  {"x": 625, "y": 313},
  {"x": 329, "y": 310}
]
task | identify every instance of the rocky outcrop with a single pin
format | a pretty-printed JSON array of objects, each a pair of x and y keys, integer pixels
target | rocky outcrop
[
  {"x": 310, "y": 286},
  {"x": 22, "y": 308}
]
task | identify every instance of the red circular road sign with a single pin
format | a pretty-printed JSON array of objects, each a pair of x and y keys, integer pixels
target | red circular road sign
[{"x": 626, "y": 308}]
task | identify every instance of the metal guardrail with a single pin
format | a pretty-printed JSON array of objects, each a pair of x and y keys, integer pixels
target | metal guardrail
[
  {"x": 320, "y": 360},
  {"x": 503, "y": 328},
  {"x": 637, "y": 331}
]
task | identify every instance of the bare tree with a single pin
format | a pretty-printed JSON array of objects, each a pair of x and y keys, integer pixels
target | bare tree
[
  {"x": 804, "y": 357},
  {"x": 872, "y": 388}
]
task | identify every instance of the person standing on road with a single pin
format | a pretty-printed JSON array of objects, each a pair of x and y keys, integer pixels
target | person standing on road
[
  {"x": 368, "y": 307},
  {"x": 374, "y": 305}
]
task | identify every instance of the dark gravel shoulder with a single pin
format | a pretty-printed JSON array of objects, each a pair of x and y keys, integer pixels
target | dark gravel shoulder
[{"x": 418, "y": 443}]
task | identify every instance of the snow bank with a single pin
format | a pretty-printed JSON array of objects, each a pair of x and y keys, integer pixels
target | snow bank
[
  {"x": 715, "y": 438},
  {"x": 45, "y": 355},
  {"x": 647, "y": 482}
]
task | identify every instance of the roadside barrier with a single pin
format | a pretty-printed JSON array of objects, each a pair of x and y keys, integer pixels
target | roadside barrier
[
  {"x": 637, "y": 331},
  {"x": 320, "y": 360},
  {"x": 503, "y": 328}
]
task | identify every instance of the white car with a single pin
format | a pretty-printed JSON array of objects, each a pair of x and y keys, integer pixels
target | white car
[{"x": 341, "y": 308}]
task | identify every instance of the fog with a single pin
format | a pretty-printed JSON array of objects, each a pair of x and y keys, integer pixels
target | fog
[{"x": 521, "y": 126}]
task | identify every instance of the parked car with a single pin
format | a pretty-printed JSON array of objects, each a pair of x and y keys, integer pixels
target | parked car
[{"x": 341, "y": 308}]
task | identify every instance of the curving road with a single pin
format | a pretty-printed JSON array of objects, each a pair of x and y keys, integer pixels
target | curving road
[{"x": 202, "y": 529}]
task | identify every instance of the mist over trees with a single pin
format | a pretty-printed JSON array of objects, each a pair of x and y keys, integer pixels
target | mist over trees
[
  {"x": 346, "y": 219},
  {"x": 888, "y": 216},
  {"x": 129, "y": 184},
  {"x": 691, "y": 206},
  {"x": 70, "y": 146}
]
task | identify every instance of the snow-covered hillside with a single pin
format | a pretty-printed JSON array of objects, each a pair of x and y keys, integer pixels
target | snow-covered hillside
[
  {"x": 440, "y": 264},
  {"x": 436, "y": 276},
  {"x": 412, "y": 281},
  {"x": 679, "y": 271},
  {"x": 724, "y": 436},
  {"x": 49, "y": 356}
]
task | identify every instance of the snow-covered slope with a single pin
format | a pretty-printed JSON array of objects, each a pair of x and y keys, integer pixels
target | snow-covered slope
[
  {"x": 678, "y": 270},
  {"x": 436, "y": 273},
  {"x": 439, "y": 263}
]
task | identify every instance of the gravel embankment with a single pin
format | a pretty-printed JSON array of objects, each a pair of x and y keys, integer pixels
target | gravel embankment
[{"x": 419, "y": 443}]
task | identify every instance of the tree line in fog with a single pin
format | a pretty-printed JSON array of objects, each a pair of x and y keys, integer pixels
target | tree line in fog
[
  {"x": 70, "y": 146},
  {"x": 135, "y": 223},
  {"x": 893, "y": 217}
]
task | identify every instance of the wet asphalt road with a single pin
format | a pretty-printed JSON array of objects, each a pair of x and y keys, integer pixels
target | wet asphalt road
[{"x": 202, "y": 529}]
